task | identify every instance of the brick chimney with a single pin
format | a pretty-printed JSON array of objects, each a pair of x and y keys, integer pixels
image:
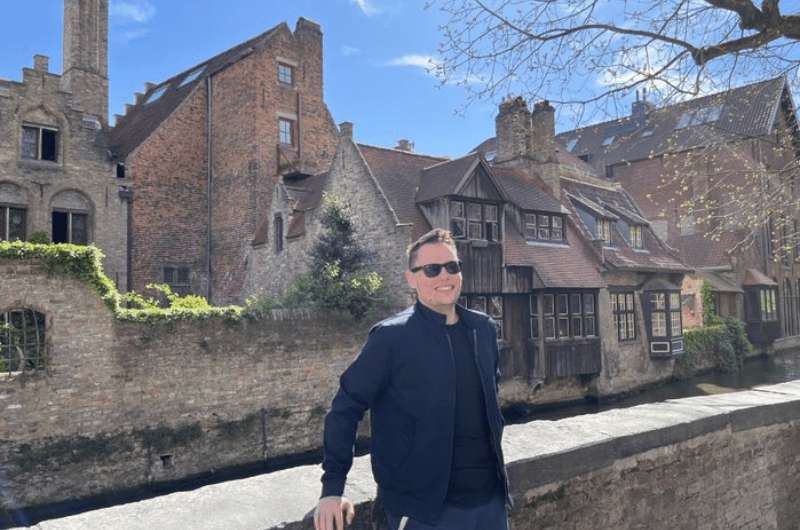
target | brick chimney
[
  {"x": 86, "y": 55},
  {"x": 346, "y": 130},
  {"x": 405, "y": 145},
  {"x": 512, "y": 126},
  {"x": 641, "y": 107},
  {"x": 542, "y": 141}
]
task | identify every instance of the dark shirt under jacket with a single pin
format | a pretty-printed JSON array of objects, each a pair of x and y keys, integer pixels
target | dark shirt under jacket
[{"x": 473, "y": 475}]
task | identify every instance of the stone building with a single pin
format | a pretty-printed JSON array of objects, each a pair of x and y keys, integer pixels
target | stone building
[
  {"x": 705, "y": 146},
  {"x": 205, "y": 149},
  {"x": 587, "y": 297},
  {"x": 56, "y": 175}
]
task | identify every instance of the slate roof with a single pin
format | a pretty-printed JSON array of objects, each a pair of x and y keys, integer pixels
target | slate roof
[
  {"x": 745, "y": 111},
  {"x": 719, "y": 282},
  {"x": 555, "y": 265},
  {"x": 443, "y": 178},
  {"x": 699, "y": 251},
  {"x": 145, "y": 117},
  {"x": 398, "y": 174},
  {"x": 526, "y": 192}
]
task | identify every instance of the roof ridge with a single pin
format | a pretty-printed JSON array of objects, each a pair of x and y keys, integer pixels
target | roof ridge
[
  {"x": 411, "y": 153},
  {"x": 449, "y": 160},
  {"x": 670, "y": 106}
]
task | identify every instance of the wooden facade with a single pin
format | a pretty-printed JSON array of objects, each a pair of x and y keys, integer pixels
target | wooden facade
[
  {"x": 482, "y": 263},
  {"x": 575, "y": 357}
]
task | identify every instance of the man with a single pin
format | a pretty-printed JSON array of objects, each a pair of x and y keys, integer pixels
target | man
[{"x": 429, "y": 377}]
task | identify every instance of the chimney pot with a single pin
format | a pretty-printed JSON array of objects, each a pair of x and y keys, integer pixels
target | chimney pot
[
  {"x": 41, "y": 63},
  {"x": 138, "y": 96},
  {"x": 405, "y": 145},
  {"x": 346, "y": 130}
]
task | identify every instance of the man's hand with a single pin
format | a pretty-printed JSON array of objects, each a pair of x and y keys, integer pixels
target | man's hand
[{"x": 328, "y": 515}]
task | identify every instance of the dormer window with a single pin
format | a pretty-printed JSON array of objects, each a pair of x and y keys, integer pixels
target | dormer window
[
  {"x": 636, "y": 237},
  {"x": 604, "y": 230},
  {"x": 544, "y": 227},
  {"x": 474, "y": 220}
]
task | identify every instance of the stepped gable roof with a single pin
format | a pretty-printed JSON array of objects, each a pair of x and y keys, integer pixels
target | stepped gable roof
[
  {"x": 445, "y": 177},
  {"x": 147, "y": 115},
  {"x": 609, "y": 198},
  {"x": 398, "y": 174},
  {"x": 565, "y": 266},
  {"x": 529, "y": 193},
  {"x": 745, "y": 111}
]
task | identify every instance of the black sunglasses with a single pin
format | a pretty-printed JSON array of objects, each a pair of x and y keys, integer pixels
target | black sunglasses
[{"x": 432, "y": 270}]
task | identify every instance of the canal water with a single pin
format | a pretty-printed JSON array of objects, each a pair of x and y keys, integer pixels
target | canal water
[{"x": 758, "y": 371}]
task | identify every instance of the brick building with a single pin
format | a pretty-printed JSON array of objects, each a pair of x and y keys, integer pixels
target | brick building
[
  {"x": 586, "y": 295},
  {"x": 56, "y": 176},
  {"x": 205, "y": 149},
  {"x": 708, "y": 146}
]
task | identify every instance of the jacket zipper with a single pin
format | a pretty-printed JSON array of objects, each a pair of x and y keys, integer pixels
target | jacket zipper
[{"x": 495, "y": 442}]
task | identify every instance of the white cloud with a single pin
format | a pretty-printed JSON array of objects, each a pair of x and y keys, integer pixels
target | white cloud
[
  {"x": 434, "y": 67},
  {"x": 427, "y": 62},
  {"x": 347, "y": 51},
  {"x": 366, "y": 7},
  {"x": 134, "y": 34},
  {"x": 136, "y": 11}
]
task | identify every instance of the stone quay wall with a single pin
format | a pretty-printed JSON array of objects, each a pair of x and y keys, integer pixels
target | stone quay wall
[{"x": 125, "y": 404}]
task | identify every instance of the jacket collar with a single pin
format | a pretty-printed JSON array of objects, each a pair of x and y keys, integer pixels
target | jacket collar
[{"x": 464, "y": 314}]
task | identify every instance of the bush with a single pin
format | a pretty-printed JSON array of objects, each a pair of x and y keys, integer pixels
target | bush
[
  {"x": 39, "y": 238},
  {"x": 339, "y": 278},
  {"x": 723, "y": 345}
]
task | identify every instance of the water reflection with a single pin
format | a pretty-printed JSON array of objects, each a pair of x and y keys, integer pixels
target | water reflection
[{"x": 756, "y": 372}]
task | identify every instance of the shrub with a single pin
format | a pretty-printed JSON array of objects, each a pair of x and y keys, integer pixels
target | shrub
[{"x": 723, "y": 345}]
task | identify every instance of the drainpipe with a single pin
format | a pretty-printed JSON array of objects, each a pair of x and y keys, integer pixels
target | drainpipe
[
  {"x": 299, "y": 119},
  {"x": 209, "y": 192}
]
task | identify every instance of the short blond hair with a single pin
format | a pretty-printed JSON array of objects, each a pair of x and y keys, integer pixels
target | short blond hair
[{"x": 437, "y": 235}]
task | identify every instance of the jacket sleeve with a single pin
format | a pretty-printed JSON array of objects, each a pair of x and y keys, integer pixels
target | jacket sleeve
[{"x": 359, "y": 386}]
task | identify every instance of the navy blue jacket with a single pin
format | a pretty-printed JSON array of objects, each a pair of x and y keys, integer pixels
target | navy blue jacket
[{"x": 405, "y": 375}]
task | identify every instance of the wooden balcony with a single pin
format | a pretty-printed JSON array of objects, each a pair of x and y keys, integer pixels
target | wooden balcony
[{"x": 573, "y": 357}]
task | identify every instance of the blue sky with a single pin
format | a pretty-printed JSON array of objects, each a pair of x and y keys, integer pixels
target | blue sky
[{"x": 374, "y": 58}]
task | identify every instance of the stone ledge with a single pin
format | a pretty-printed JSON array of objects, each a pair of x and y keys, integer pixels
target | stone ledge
[{"x": 538, "y": 453}]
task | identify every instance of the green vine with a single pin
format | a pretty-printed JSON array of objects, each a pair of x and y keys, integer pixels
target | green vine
[
  {"x": 84, "y": 263},
  {"x": 709, "y": 300}
]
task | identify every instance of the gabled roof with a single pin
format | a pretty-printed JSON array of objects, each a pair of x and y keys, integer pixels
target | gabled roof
[
  {"x": 745, "y": 111},
  {"x": 398, "y": 174},
  {"x": 718, "y": 282},
  {"x": 147, "y": 115},
  {"x": 529, "y": 193},
  {"x": 655, "y": 257},
  {"x": 445, "y": 177}
]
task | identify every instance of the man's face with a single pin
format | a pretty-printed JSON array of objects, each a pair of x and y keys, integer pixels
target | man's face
[{"x": 441, "y": 292}]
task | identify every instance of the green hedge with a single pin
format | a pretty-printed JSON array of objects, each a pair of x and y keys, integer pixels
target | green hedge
[
  {"x": 84, "y": 263},
  {"x": 724, "y": 345}
]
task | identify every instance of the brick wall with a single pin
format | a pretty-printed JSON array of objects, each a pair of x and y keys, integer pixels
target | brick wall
[
  {"x": 118, "y": 396},
  {"x": 82, "y": 164}
]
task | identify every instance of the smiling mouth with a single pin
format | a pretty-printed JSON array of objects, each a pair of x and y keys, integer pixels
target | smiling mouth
[{"x": 445, "y": 288}]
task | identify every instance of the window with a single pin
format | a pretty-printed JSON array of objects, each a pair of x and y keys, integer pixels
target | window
[
  {"x": 178, "y": 279},
  {"x": 12, "y": 223},
  {"x": 604, "y": 230},
  {"x": 457, "y": 219},
  {"x": 278, "y": 233},
  {"x": 496, "y": 312},
  {"x": 194, "y": 74},
  {"x": 70, "y": 227},
  {"x": 22, "y": 341},
  {"x": 768, "y": 306},
  {"x": 544, "y": 227},
  {"x": 699, "y": 116},
  {"x": 622, "y": 307},
  {"x": 157, "y": 93},
  {"x": 636, "y": 239},
  {"x": 648, "y": 132},
  {"x": 286, "y": 131},
  {"x": 608, "y": 140},
  {"x": 285, "y": 74},
  {"x": 567, "y": 315},
  {"x": 534, "y": 316},
  {"x": 572, "y": 143},
  {"x": 39, "y": 143},
  {"x": 473, "y": 220},
  {"x": 665, "y": 314}
]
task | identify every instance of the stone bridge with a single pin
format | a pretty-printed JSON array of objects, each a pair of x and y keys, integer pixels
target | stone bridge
[{"x": 728, "y": 461}]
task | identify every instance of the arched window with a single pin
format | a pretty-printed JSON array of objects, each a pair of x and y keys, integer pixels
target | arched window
[
  {"x": 13, "y": 212},
  {"x": 71, "y": 218},
  {"x": 22, "y": 341},
  {"x": 278, "y": 233}
]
